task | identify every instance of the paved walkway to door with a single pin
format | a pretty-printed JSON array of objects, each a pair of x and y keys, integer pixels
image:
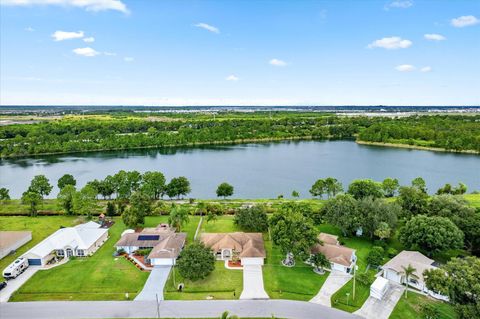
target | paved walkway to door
[
  {"x": 336, "y": 279},
  {"x": 253, "y": 283},
  {"x": 155, "y": 283},
  {"x": 381, "y": 309}
]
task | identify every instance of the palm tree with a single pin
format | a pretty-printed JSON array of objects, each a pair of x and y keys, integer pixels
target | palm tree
[
  {"x": 408, "y": 271},
  {"x": 178, "y": 217},
  {"x": 319, "y": 261},
  {"x": 226, "y": 315}
]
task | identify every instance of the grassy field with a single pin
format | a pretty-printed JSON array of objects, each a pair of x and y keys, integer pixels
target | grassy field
[
  {"x": 222, "y": 283},
  {"x": 224, "y": 224},
  {"x": 99, "y": 277},
  {"x": 341, "y": 301},
  {"x": 41, "y": 228},
  {"x": 410, "y": 307},
  {"x": 473, "y": 199}
]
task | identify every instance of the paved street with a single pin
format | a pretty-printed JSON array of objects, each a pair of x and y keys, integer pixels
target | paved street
[
  {"x": 287, "y": 309},
  {"x": 336, "y": 279},
  {"x": 253, "y": 283},
  {"x": 14, "y": 284},
  {"x": 154, "y": 285}
]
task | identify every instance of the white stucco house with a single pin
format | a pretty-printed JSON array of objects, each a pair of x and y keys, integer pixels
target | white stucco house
[
  {"x": 341, "y": 258},
  {"x": 393, "y": 271},
  {"x": 164, "y": 242},
  {"x": 80, "y": 241},
  {"x": 248, "y": 247}
]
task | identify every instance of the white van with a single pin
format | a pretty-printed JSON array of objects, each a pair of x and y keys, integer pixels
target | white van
[{"x": 15, "y": 268}]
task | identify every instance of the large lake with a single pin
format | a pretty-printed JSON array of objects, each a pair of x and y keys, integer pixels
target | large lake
[{"x": 255, "y": 170}]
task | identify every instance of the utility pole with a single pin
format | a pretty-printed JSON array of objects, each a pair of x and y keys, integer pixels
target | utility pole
[
  {"x": 354, "y": 273},
  {"x": 158, "y": 306}
]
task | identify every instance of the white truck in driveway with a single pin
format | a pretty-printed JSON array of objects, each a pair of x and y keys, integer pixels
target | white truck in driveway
[{"x": 15, "y": 268}]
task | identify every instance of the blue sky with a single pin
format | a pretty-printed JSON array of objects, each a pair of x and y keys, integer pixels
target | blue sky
[{"x": 279, "y": 52}]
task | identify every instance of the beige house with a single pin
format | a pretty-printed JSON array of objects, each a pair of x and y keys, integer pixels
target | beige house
[
  {"x": 341, "y": 258},
  {"x": 393, "y": 270},
  {"x": 248, "y": 247},
  {"x": 166, "y": 245}
]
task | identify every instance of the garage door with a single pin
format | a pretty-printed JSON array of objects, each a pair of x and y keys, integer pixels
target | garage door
[{"x": 35, "y": 262}]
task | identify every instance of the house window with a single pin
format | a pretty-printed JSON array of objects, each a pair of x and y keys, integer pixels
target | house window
[
  {"x": 413, "y": 281},
  {"x": 80, "y": 252},
  {"x": 60, "y": 252}
]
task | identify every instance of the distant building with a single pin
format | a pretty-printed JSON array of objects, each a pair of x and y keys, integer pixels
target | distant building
[
  {"x": 79, "y": 241},
  {"x": 341, "y": 258},
  {"x": 12, "y": 240},
  {"x": 164, "y": 243}
]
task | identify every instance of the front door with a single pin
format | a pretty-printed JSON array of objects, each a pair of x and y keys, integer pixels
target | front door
[{"x": 69, "y": 252}]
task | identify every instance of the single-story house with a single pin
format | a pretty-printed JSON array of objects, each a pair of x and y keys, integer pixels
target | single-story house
[
  {"x": 248, "y": 247},
  {"x": 12, "y": 240},
  {"x": 164, "y": 243},
  {"x": 80, "y": 241},
  {"x": 393, "y": 270},
  {"x": 341, "y": 258}
]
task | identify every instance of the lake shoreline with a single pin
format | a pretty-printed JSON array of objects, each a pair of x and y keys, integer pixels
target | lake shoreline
[{"x": 416, "y": 147}]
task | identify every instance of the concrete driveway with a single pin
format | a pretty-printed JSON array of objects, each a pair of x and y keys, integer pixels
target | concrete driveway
[
  {"x": 155, "y": 283},
  {"x": 253, "y": 283},
  {"x": 14, "y": 284},
  {"x": 336, "y": 279},
  {"x": 381, "y": 309}
]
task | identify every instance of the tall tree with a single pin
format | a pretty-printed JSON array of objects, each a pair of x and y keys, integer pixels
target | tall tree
[
  {"x": 408, "y": 272},
  {"x": 40, "y": 185},
  {"x": 420, "y": 184},
  {"x": 132, "y": 218},
  {"x": 196, "y": 262},
  {"x": 4, "y": 194},
  {"x": 224, "y": 190},
  {"x": 84, "y": 201},
  {"x": 342, "y": 211},
  {"x": 32, "y": 199},
  {"x": 293, "y": 232},
  {"x": 333, "y": 186},
  {"x": 362, "y": 188},
  {"x": 178, "y": 186},
  {"x": 65, "y": 198},
  {"x": 373, "y": 212},
  {"x": 153, "y": 184},
  {"x": 318, "y": 188},
  {"x": 431, "y": 234},
  {"x": 320, "y": 262},
  {"x": 252, "y": 219},
  {"x": 141, "y": 203},
  {"x": 413, "y": 201},
  {"x": 178, "y": 217},
  {"x": 390, "y": 186},
  {"x": 65, "y": 180}
]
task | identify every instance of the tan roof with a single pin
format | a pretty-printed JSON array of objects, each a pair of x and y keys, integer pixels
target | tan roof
[
  {"x": 334, "y": 252},
  {"x": 328, "y": 238},
  {"x": 418, "y": 261},
  {"x": 170, "y": 247},
  {"x": 9, "y": 238},
  {"x": 245, "y": 244},
  {"x": 131, "y": 239}
]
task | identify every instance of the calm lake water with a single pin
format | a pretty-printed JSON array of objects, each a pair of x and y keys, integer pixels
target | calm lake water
[{"x": 255, "y": 170}]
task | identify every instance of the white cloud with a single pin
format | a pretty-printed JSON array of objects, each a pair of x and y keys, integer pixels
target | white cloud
[
  {"x": 402, "y": 4},
  {"x": 426, "y": 69},
  {"x": 89, "y": 39},
  {"x": 232, "y": 78},
  {"x": 391, "y": 43},
  {"x": 277, "y": 62},
  {"x": 207, "y": 27},
  {"x": 89, "y": 52},
  {"x": 434, "y": 37},
  {"x": 89, "y": 5},
  {"x": 128, "y": 59},
  {"x": 66, "y": 35},
  {"x": 464, "y": 21},
  {"x": 29, "y": 29},
  {"x": 405, "y": 68}
]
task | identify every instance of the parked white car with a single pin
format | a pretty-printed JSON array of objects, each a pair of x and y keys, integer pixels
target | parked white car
[{"x": 15, "y": 268}]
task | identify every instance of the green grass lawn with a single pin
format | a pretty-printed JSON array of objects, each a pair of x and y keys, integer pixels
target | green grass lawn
[
  {"x": 224, "y": 224},
  {"x": 99, "y": 277},
  {"x": 222, "y": 283},
  {"x": 473, "y": 199},
  {"x": 410, "y": 307},
  {"x": 296, "y": 283},
  {"x": 41, "y": 227},
  {"x": 341, "y": 301}
]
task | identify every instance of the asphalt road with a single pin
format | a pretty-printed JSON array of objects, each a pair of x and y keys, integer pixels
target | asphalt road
[{"x": 169, "y": 309}]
